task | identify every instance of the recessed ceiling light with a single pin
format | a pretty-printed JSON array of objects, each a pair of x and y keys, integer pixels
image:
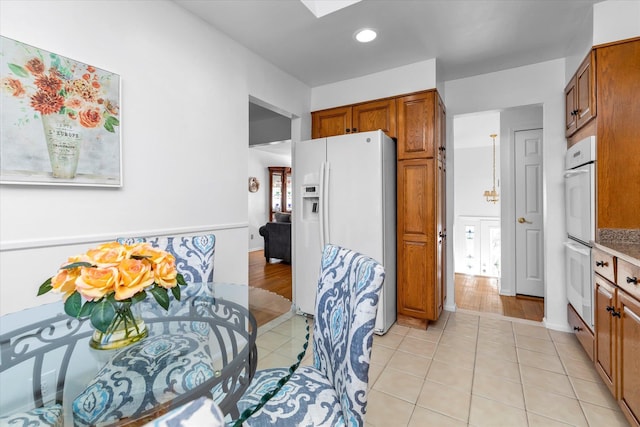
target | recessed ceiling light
[{"x": 366, "y": 35}]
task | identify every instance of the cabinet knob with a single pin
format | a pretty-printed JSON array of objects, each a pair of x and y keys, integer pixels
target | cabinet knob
[
  {"x": 633, "y": 280},
  {"x": 610, "y": 308},
  {"x": 615, "y": 313},
  {"x": 573, "y": 112},
  {"x": 577, "y": 328},
  {"x": 601, "y": 264},
  {"x": 354, "y": 130},
  {"x": 348, "y": 130}
]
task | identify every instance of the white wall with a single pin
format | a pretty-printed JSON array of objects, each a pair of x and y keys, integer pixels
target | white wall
[
  {"x": 615, "y": 20},
  {"x": 396, "y": 81},
  {"x": 472, "y": 176},
  {"x": 541, "y": 83},
  {"x": 259, "y": 162},
  {"x": 185, "y": 94}
]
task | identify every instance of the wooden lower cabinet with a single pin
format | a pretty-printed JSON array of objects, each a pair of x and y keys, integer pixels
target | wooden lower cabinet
[
  {"x": 629, "y": 356},
  {"x": 605, "y": 332},
  {"x": 617, "y": 355},
  {"x": 581, "y": 330}
]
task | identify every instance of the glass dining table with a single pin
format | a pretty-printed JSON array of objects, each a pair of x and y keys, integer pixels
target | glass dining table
[{"x": 205, "y": 345}]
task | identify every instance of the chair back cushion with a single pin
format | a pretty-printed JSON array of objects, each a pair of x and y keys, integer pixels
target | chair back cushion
[
  {"x": 194, "y": 257},
  {"x": 347, "y": 300}
]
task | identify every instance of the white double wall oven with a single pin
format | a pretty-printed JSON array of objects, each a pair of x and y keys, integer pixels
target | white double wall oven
[{"x": 580, "y": 211}]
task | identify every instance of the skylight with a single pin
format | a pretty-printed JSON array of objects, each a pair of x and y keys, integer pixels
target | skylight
[{"x": 321, "y": 8}]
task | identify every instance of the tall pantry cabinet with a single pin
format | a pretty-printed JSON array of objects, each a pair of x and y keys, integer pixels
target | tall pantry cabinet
[
  {"x": 417, "y": 121},
  {"x": 421, "y": 235}
]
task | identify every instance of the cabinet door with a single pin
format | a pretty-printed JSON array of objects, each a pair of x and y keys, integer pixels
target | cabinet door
[
  {"x": 605, "y": 332},
  {"x": 416, "y": 125},
  {"x": 629, "y": 356},
  {"x": 618, "y": 127},
  {"x": 417, "y": 292},
  {"x": 441, "y": 188},
  {"x": 585, "y": 91},
  {"x": 570, "y": 117},
  {"x": 375, "y": 115},
  {"x": 336, "y": 121}
]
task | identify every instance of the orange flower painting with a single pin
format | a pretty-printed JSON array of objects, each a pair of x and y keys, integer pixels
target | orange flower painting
[{"x": 60, "y": 121}]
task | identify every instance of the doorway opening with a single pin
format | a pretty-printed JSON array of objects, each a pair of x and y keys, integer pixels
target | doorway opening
[
  {"x": 484, "y": 247},
  {"x": 269, "y": 147}
]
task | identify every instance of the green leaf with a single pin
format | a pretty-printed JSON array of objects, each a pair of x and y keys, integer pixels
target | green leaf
[
  {"x": 45, "y": 287},
  {"x": 87, "y": 309},
  {"x": 176, "y": 292},
  {"x": 76, "y": 265},
  {"x": 180, "y": 279},
  {"x": 73, "y": 304},
  {"x": 102, "y": 315},
  {"x": 161, "y": 295},
  {"x": 140, "y": 296},
  {"x": 18, "y": 70},
  {"x": 110, "y": 122}
]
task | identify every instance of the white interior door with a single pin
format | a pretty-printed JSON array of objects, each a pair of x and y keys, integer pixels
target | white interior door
[{"x": 529, "y": 229}]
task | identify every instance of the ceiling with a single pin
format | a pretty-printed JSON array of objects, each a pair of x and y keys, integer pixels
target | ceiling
[{"x": 467, "y": 37}]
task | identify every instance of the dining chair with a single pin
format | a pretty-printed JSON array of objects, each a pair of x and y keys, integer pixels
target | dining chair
[
  {"x": 332, "y": 392},
  {"x": 194, "y": 258},
  {"x": 198, "y": 413}
]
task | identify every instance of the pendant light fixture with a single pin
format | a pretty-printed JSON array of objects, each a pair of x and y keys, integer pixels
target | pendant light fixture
[{"x": 492, "y": 195}]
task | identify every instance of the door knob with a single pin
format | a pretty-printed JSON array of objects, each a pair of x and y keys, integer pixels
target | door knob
[{"x": 521, "y": 220}]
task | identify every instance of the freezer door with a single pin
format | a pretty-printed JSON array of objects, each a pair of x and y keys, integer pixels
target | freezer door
[{"x": 308, "y": 159}]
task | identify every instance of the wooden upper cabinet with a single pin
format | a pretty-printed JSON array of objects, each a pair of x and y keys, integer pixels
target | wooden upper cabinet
[
  {"x": 570, "y": 118},
  {"x": 618, "y": 129},
  {"x": 580, "y": 96},
  {"x": 332, "y": 122},
  {"x": 586, "y": 91},
  {"x": 416, "y": 125},
  {"x": 362, "y": 117},
  {"x": 375, "y": 115}
]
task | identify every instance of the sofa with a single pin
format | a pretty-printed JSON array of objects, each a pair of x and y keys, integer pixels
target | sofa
[{"x": 277, "y": 237}]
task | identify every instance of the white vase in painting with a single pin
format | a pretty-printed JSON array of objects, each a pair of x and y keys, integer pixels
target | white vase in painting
[{"x": 63, "y": 137}]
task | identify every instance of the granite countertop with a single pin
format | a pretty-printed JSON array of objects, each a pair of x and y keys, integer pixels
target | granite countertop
[{"x": 624, "y": 244}]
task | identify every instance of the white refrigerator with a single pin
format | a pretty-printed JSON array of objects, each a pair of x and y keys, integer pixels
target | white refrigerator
[{"x": 345, "y": 194}]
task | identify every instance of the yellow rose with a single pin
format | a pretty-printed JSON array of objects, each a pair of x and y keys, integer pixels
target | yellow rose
[
  {"x": 165, "y": 273},
  {"x": 96, "y": 282},
  {"x": 107, "y": 254},
  {"x": 65, "y": 282},
  {"x": 135, "y": 275},
  {"x": 146, "y": 250}
]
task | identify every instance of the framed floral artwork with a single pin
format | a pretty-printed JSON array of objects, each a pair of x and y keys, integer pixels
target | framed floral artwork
[{"x": 60, "y": 121}]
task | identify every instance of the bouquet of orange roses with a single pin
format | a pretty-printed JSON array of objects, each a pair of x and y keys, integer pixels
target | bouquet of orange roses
[{"x": 104, "y": 282}]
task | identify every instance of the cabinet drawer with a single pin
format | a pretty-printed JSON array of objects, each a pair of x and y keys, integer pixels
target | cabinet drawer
[
  {"x": 582, "y": 331},
  {"x": 629, "y": 277},
  {"x": 603, "y": 265}
]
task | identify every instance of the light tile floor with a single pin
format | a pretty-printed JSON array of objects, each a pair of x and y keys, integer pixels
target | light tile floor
[{"x": 472, "y": 369}]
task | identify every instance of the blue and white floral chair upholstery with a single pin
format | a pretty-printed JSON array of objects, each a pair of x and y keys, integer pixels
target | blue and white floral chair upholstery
[
  {"x": 332, "y": 392},
  {"x": 49, "y": 416},
  {"x": 141, "y": 376},
  {"x": 202, "y": 412},
  {"x": 194, "y": 258}
]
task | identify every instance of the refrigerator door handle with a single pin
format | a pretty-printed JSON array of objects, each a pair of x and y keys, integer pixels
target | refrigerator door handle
[
  {"x": 325, "y": 204},
  {"x": 321, "y": 221}
]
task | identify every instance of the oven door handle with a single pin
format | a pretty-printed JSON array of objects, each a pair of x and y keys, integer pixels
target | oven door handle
[
  {"x": 577, "y": 248},
  {"x": 571, "y": 173}
]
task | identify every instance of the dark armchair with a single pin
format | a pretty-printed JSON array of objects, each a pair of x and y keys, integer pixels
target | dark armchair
[{"x": 277, "y": 238}]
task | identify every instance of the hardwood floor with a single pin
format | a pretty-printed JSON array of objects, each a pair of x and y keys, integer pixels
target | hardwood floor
[
  {"x": 475, "y": 293},
  {"x": 266, "y": 279},
  {"x": 274, "y": 276},
  {"x": 480, "y": 293}
]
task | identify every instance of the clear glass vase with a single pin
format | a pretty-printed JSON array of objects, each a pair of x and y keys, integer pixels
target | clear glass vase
[{"x": 126, "y": 328}]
